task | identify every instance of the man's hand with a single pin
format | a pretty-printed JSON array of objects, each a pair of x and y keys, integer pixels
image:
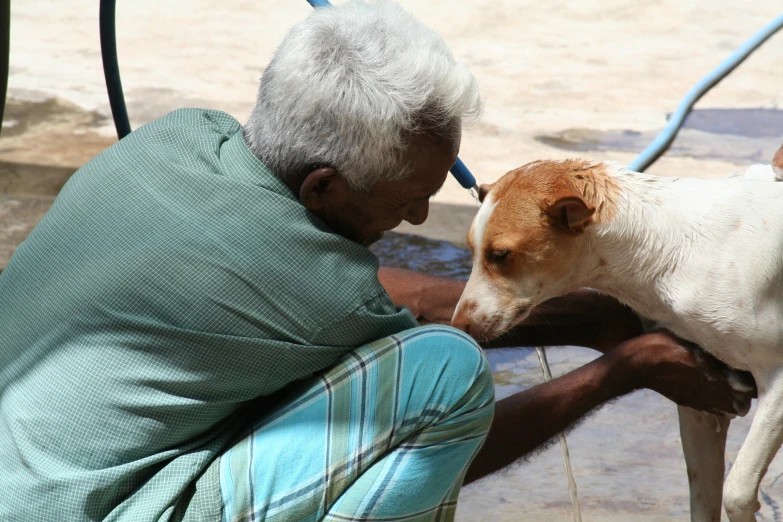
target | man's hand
[
  {"x": 581, "y": 318},
  {"x": 685, "y": 373},
  {"x": 632, "y": 360},
  {"x": 657, "y": 360},
  {"x": 431, "y": 299}
]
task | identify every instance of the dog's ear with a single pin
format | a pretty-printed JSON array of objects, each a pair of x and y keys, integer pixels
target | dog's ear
[
  {"x": 484, "y": 190},
  {"x": 568, "y": 211}
]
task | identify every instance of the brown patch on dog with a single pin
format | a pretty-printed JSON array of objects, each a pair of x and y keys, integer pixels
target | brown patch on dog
[
  {"x": 590, "y": 180},
  {"x": 540, "y": 211},
  {"x": 484, "y": 190},
  {"x": 777, "y": 161}
]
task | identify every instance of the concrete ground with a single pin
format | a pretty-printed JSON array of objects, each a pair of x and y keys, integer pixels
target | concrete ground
[
  {"x": 559, "y": 78},
  {"x": 546, "y": 70}
]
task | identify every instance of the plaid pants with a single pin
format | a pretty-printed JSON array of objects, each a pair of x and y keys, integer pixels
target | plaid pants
[{"x": 385, "y": 434}]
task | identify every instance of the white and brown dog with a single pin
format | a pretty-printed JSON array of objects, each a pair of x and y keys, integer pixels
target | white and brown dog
[{"x": 702, "y": 258}]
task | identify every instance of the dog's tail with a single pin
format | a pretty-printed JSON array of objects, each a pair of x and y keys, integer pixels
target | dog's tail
[{"x": 777, "y": 164}]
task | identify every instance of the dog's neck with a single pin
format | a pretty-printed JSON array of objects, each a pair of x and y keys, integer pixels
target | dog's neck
[{"x": 633, "y": 248}]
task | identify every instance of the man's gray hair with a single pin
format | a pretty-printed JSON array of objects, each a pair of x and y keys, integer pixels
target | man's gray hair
[{"x": 350, "y": 86}]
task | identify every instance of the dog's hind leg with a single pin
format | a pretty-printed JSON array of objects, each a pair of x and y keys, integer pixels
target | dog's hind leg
[
  {"x": 704, "y": 443},
  {"x": 740, "y": 492}
]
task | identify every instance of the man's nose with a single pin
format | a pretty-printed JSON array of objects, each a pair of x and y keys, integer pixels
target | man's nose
[{"x": 418, "y": 212}]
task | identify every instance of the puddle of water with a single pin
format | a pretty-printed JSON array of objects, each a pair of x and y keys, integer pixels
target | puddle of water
[
  {"x": 21, "y": 115},
  {"x": 753, "y": 123},
  {"x": 430, "y": 256},
  {"x": 736, "y": 135}
]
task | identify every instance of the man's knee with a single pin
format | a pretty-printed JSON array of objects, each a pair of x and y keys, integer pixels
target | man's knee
[{"x": 451, "y": 366}]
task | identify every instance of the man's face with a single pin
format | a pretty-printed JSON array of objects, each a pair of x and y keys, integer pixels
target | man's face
[{"x": 364, "y": 217}]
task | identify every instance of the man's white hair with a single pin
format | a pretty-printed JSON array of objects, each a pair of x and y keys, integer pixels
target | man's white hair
[{"x": 350, "y": 86}]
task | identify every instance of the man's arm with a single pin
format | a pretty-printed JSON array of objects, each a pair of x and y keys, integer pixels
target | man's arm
[
  {"x": 658, "y": 361},
  {"x": 581, "y": 318},
  {"x": 631, "y": 361}
]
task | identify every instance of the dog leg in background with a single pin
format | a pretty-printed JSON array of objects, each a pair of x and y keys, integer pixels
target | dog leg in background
[
  {"x": 703, "y": 438},
  {"x": 740, "y": 492}
]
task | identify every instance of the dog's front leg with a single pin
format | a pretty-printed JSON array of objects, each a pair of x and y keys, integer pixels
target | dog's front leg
[
  {"x": 762, "y": 443},
  {"x": 704, "y": 444}
]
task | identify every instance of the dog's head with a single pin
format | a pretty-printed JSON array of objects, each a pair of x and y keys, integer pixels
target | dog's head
[{"x": 528, "y": 240}]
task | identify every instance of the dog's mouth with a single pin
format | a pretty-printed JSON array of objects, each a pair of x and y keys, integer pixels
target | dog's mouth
[{"x": 501, "y": 324}]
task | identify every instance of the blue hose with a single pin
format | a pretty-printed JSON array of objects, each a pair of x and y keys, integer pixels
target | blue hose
[{"x": 667, "y": 135}]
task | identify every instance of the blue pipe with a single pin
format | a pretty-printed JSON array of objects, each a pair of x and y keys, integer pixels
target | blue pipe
[
  {"x": 667, "y": 135},
  {"x": 463, "y": 175}
]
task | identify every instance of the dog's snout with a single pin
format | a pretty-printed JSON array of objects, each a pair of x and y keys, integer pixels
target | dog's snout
[{"x": 461, "y": 322}]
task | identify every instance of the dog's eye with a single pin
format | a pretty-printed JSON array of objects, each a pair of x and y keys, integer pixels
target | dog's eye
[{"x": 498, "y": 256}]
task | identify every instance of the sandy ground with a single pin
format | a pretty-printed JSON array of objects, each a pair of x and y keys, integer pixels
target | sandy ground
[{"x": 543, "y": 67}]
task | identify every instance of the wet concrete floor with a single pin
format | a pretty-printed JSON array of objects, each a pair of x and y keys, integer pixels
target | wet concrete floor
[{"x": 731, "y": 134}]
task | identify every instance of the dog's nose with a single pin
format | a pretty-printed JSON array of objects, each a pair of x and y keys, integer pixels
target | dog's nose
[{"x": 461, "y": 322}]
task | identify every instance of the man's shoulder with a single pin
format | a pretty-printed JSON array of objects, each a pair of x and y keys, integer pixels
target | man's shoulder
[{"x": 195, "y": 120}]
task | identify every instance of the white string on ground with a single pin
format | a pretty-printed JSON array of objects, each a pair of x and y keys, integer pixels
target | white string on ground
[{"x": 563, "y": 443}]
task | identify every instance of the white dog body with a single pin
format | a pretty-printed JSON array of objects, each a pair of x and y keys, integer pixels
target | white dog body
[{"x": 703, "y": 258}]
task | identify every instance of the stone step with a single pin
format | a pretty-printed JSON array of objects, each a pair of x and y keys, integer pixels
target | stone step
[{"x": 18, "y": 216}]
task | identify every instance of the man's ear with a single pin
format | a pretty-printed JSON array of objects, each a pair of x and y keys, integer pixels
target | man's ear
[
  {"x": 568, "y": 211},
  {"x": 484, "y": 190},
  {"x": 319, "y": 185}
]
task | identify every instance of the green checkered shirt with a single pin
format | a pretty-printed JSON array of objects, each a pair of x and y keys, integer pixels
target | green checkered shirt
[{"x": 174, "y": 280}]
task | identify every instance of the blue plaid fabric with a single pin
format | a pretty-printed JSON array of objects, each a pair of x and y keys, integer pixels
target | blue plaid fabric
[{"x": 386, "y": 434}]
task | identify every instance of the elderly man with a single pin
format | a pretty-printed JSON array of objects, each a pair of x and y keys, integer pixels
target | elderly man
[{"x": 196, "y": 330}]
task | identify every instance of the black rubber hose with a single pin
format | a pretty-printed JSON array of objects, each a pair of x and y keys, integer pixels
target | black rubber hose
[
  {"x": 5, "y": 53},
  {"x": 111, "y": 68}
]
